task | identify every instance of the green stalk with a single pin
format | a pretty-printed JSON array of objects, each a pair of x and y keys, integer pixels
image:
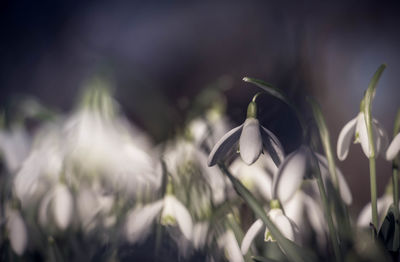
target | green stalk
[
  {"x": 366, "y": 108},
  {"x": 332, "y": 231},
  {"x": 395, "y": 166},
  {"x": 372, "y": 176}
]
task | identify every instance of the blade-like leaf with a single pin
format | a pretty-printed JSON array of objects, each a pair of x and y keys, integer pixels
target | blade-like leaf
[
  {"x": 263, "y": 259},
  {"x": 369, "y": 95},
  {"x": 278, "y": 94},
  {"x": 389, "y": 232},
  {"x": 293, "y": 252}
]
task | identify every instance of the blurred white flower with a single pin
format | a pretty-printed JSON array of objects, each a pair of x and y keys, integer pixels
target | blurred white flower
[
  {"x": 42, "y": 168},
  {"x": 255, "y": 177},
  {"x": 93, "y": 206},
  {"x": 296, "y": 167},
  {"x": 63, "y": 206},
  {"x": 173, "y": 213},
  {"x": 231, "y": 247},
  {"x": 57, "y": 204},
  {"x": 357, "y": 128},
  {"x": 200, "y": 233},
  {"x": 252, "y": 137},
  {"x": 281, "y": 221},
  {"x": 17, "y": 232},
  {"x": 365, "y": 217},
  {"x": 14, "y": 147},
  {"x": 394, "y": 148},
  {"x": 182, "y": 156},
  {"x": 308, "y": 215}
]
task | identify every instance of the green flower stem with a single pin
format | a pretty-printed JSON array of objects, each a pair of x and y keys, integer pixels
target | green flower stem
[
  {"x": 366, "y": 108},
  {"x": 326, "y": 144},
  {"x": 328, "y": 215},
  {"x": 395, "y": 166},
  {"x": 372, "y": 175}
]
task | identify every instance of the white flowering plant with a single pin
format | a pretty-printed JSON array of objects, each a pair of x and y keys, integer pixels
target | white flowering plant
[{"x": 91, "y": 186}]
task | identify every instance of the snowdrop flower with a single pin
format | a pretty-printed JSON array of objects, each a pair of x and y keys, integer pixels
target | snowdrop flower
[
  {"x": 173, "y": 212},
  {"x": 59, "y": 205},
  {"x": 394, "y": 148},
  {"x": 200, "y": 233},
  {"x": 17, "y": 231},
  {"x": 252, "y": 137},
  {"x": 296, "y": 167},
  {"x": 383, "y": 204},
  {"x": 281, "y": 221},
  {"x": 98, "y": 141},
  {"x": 92, "y": 206},
  {"x": 305, "y": 212},
  {"x": 357, "y": 128},
  {"x": 183, "y": 155},
  {"x": 231, "y": 247},
  {"x": 255, "y": 178},
  {"x": 42, "y": 168},
  {"x": 14, "y": 147}
]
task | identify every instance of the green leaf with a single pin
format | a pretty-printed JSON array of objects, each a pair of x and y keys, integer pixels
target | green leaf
[
  {"x": 263, "y": 259},
  {"x": 369, "y": 95},
  {"x": 293, "y": 252},
  {"x": 280, "y": 95},
  {"x": 389, "y": 232}
]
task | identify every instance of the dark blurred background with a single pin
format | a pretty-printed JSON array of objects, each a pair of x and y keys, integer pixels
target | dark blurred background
[{"x": 161, "y": 54}]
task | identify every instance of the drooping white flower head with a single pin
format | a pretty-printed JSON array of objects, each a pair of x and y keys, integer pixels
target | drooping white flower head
[
  {"x": 14, "y": 147},
  {"x": 255, "y": 177},
  {"x": 296, "y": 167},
  {"x": 252, "y": 137},
  {"x": 57, "y": 205},
  {"x": 173, "y": 213},
  {"x": 281, "y": 221},
  {"x": 357, "y": 128},
  {"x": 365, "y": 217},
  {"x": 63, "y": 206},
  {"x": 17, "y": 231},
  {"x": 231, "y": 247},
  {"x": 394, "y": 148}
]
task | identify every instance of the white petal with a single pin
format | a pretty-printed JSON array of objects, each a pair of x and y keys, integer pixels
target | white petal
[
  {"x": 88, "y": 207},
  {"x": 17, "y": 232},
  {"x": 250, "y": 143},
  {"x": 394, "y": 148},
  {"x": 380, "y": 136},
  {"x": 294, "y": 208},
  {"x": 254, "y": 229},
  {"x": 223, "y": 146},
  {"x": 345, "y": 137},
  {"x": 231, "y": 247},
  {"x": 315, "y": 216},
  {"x": 345, "y": 192},
  {"x": 139, "y": 221},
  {"x": 365, "y": 216},
  {"x": 43, "y": 214},
  {"x": 254, "y": 177},
  {"x": 182, "y": 216},
  {"x": 281, "y": 222},
  {"x": 273, "y": 146},
  {"x": 290, "y": 174},
  {"x": 199, "y": 237},
  {"x": 361, "y": 131},
  {"x": 62, "y": 206}
]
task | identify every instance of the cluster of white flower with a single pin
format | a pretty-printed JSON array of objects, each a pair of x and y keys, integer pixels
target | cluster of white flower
[{"x": 95, "y": 179}]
